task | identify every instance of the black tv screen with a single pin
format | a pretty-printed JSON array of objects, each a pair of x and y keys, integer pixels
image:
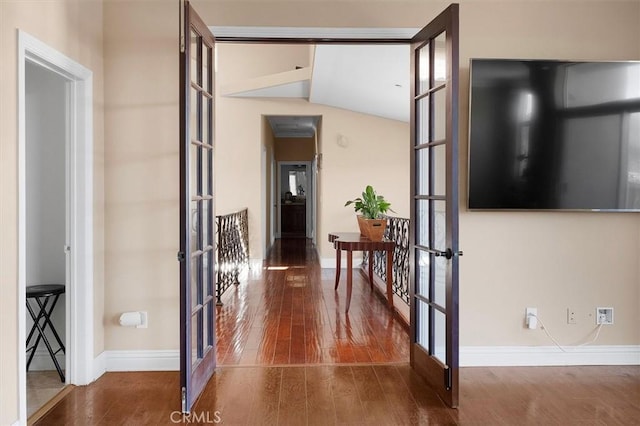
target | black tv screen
[{"x": 554, "y": 135}]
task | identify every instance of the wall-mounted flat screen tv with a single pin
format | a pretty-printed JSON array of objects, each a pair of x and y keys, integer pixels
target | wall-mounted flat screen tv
[{"x": 554, "y": 135}]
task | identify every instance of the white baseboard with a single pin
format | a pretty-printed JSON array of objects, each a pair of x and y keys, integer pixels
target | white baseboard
[
  {"x": 491, "y": 356},
  {"x": 470, "y": 356},
  {"x": 99, "y": 365},
  {"x": 330, "y": 263},
  {"x": 158, "y": 360},
  {"x": 42, "y": 360}
]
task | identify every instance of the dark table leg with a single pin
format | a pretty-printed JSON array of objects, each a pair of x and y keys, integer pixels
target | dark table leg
[
  {"x": 371, "y": 269},
  {"x": 338, "y": 260},
  {"x": 349, "y": 278},
  {"x": 390, "y": 277}
]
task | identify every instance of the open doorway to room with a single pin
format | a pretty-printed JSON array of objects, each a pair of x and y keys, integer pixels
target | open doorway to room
[
  {"x": 346, "y": 141},
  {"x": 55, "y": 226},
  {"x": 294, "y": 199},
  {"x": 293, "y": 144},
  {"x": 428, "y": 172},
  {"x": 46, "y": 118}
]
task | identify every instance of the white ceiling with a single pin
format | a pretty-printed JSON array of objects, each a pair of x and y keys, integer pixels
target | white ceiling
[{"x": 369, "y": 79}]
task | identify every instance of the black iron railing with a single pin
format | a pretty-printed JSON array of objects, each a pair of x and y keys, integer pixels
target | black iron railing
[
  {"x": 232, "y": 249},
  {"x": 398, "y": 231}
]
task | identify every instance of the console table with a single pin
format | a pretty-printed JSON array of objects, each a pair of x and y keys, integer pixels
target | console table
[{"x": 353, "y": 241}]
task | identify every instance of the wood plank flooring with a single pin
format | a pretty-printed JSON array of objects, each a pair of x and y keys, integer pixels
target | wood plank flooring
[
  {"x": 288, "y": 355},
  {"x": 289, "y": 313},
  {"x": 361, "y": 395}
]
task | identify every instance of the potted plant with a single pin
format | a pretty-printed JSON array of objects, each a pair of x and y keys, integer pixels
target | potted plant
[{"x": 372, "y": 207}]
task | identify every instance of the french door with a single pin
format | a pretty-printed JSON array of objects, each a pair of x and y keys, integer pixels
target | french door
[
  {"x": 434, "y": 209},
  {"x": 197, "y": 254}
]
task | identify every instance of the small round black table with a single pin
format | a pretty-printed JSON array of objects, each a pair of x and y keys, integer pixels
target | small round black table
[{"x": 46, "y": 296}]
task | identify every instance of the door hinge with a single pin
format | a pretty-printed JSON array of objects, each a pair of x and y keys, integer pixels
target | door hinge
[
  {"x": 181, "y": 256},
  {"x": 447, "y": 378},
  {"x": 185, "y": 410}
]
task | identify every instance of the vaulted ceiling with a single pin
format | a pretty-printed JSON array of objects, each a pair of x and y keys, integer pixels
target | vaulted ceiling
[{"x": 365, "y": 78}]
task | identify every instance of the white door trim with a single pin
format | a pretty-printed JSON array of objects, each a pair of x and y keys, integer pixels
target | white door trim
[
  {"x": 265, "y": 202},
  {"x": 79, "y": 294}
]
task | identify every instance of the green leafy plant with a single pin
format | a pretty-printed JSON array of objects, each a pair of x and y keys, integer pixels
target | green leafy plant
[{"x": 371, "y": 205}]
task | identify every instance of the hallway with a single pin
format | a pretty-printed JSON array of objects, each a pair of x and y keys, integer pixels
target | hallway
[{"x": 289, "y": 313}]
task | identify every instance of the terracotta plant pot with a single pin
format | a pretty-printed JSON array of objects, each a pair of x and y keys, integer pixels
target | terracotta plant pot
[{"x": 372, "y": 228}]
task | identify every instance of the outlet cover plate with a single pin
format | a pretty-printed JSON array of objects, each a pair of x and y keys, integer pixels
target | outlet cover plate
[{"x": 604, "y": 316}]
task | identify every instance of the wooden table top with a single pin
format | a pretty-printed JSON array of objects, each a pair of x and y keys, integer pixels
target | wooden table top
[{"x": 355, "y": 241}]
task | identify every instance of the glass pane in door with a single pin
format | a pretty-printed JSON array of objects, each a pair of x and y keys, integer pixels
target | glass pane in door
[
  {"x": 205, "y": 327},
  {"x": 195, "y": 43},
  {"x": 206, "y": 54},
  {"x": 439, "y": 175},
  {"x": 439, "y": 225},
  {"x": 194, "y": 128},
  {"x": 422, "y": 325},
  {"x": 422, "y": 171},
  {"x": 439, "y": 111},
  {"x": 422, "y": 273},
  {"x": 206, "y": 274},
  {"x": 195, "y": 333},
  {"x": 422, "y": 113},
  {"x": 440, "y": 336},
  {"x": 205, "y": 119},
  {"x": 439, "y": 281},
  {"x": 205, "y": 223},
  {"x": 195, "y": 279},
  {"x": 206, "y": 171},
  {"x": 423, "y": 68},
  {"x": 440, "y": 59},
  {"x": 422, "y": 223}
]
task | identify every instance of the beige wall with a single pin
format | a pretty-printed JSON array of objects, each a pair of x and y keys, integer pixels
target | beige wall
[
  {"x": 75, "y": 29},
  {"x": 295, "y": 149},
  {"x": 551, "y": 261},
  {"x": 142, "y": 172},
  {"x": 314, "y": 13}
]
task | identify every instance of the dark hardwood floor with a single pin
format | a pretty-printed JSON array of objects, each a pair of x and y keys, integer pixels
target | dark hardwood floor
[
  {"x": 289, "y": 313},
  {"x": 361, "y": 395},
  {"x": 288, "y": 355}
]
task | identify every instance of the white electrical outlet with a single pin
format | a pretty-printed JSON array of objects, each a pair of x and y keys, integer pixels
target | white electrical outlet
[
  {"x": 571, "y": 316},
  {"x": 604, "y": 315},
  {"x": 530, "y": 318}
]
